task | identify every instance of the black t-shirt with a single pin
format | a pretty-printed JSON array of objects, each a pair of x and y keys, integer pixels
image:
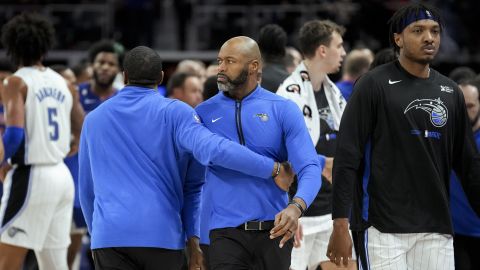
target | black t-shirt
[
  {"x": 399, "y": 138},
  {"x": 326, "y": 144}
]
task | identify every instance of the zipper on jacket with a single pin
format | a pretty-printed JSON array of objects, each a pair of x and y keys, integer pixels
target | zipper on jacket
[{"x": 238, "y": 120}]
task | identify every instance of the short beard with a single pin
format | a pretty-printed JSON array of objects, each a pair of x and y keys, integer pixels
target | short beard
[
  {"x": 230, "y": 85},
  {"x": 107, "y": 84},
  {"x": 425, "y": 61}
]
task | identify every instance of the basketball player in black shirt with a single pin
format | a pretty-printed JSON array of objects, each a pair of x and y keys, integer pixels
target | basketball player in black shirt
[{"x": 405, "y": 128}]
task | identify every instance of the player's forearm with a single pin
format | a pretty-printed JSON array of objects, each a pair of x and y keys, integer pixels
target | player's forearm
[
  {"x": 309, "y": 183},
  {"x": 191, "y": 214},
  {"x": 342, "y": 192}
]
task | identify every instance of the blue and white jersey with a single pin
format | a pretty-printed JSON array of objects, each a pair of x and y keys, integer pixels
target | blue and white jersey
[
  {"x": 88, "y": 98},
  {"x": 47, "y": 117}
]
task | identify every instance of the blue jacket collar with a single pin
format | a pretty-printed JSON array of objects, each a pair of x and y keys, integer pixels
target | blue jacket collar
[{"x": 253, "y": 94}]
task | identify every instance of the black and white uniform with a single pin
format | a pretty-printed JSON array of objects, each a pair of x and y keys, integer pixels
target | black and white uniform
[
  {"x": 399, "y": 139},
  {"x": 36, "y": 207}
]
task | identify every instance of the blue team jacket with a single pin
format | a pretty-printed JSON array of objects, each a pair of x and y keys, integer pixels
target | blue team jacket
[
  {"x": 136, "y": 189},
  {"x": 271, "y": 126}
]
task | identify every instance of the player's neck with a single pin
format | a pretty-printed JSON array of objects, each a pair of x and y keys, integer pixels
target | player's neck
[
  {"x": 38, "y": 65},
  {"x": 417, "y": 69},
  {"x": 242, "y": 91},
  {"x": 102, "y": 92},
  {"x": 315, "y": 72}
]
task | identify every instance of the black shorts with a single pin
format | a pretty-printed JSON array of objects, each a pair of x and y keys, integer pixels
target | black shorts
[
  {"x": 133, "y": 258},
  {"x": 234, "y": 249}
]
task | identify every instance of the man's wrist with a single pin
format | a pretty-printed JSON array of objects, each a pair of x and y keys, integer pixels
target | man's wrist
[
  {"x": 301, "y": 202},
  {"x": 276, "y": 169},
  {"x": 193, "y": 241},
  {"x": 341, "y": 223},
  {"x": 298, "y": 205}
]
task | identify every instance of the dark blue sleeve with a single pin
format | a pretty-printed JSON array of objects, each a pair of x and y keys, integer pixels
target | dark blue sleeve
[
  {"x": 12, "y": 139},
  {"x": 192, "y": 192},
  {"x": 85, "y": 180},
  {"x": 210, "y": 149},
  {"x": 301, "y": 153}
]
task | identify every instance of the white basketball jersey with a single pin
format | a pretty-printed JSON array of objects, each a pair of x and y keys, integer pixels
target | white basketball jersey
[{"x": 47, "y": 116}]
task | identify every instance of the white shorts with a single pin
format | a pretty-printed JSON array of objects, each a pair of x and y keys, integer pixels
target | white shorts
[
  {"x": 36, "y": 208},
  {"x": 313, "y": 247},
  {"x": 402, "y": 251}
]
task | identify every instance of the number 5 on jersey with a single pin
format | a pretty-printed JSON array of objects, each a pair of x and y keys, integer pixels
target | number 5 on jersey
[{"x": 52, "y": 121}]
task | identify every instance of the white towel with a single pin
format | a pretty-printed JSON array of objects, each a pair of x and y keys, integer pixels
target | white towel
[{"x": 298, "y": 88}]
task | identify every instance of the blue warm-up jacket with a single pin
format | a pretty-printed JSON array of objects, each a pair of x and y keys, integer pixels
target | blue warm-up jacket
[
  {"x": 134, "y": 160},
  {"x": 271, "y": 126}
]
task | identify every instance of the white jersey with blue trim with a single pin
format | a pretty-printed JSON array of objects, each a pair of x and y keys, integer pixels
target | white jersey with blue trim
[{"x": 47, "y": 116}]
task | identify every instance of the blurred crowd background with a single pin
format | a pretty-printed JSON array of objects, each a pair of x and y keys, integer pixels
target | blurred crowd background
[
  {"x": 188, "y": 35},
  {"x": 195, "y": 29}
]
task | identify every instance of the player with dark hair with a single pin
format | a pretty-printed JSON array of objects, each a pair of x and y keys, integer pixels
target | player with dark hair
[
  {"x": 105, "y": 58},
  {"x": 322, "y": 104},
  {"x": 139, "y": 193},
  {"x": 186, "y": 87},
  {"x": 42, "y": 115},
  {"x": 405, "y": 128},
  {"x": 272, "y": 42},
  {"x": 106, "y": 46},
  {"x": 383, "y": 56}
]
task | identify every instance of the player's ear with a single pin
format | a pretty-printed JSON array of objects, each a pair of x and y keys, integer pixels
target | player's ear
[
  {"x": 321, "y": 51},
  {"x": 398, "y": 38},
  {"x": 160, "y": 78},
  {"x": 254, "y": 66}
]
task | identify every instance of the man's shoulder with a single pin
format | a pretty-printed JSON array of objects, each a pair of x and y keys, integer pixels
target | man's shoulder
[
  {"x": 386, "y": 74},
  {"x": 207, "y": 104},
  {"x": 442, "y": 78},
  {"x": 173, "y": 104},
  {"x": 267, "y": 95}
]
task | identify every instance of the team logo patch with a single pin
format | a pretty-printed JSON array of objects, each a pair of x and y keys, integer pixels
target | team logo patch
[
  {"x": 434, "y": 107},
  {"x": 446, "y": 88},
  {"x": 12, "y": 231},
  {"x": 304, "y": 75},
  {"x": 293, "y": 88},
  {"x": 263, "y": 116},
  {"x": 196, "y": 118},
  {"x": 307, "y": 111}
]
